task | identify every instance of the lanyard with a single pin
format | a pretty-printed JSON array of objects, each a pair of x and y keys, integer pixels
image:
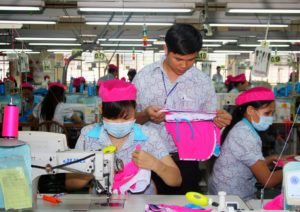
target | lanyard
[
  {"x": 172, "y": 89},
  {"x": 250, "y": 125}
]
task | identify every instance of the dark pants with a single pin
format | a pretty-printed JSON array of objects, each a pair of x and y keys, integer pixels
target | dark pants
[{"x": 191, "y": 177}]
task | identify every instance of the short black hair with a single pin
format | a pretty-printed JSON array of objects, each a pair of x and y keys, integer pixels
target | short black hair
[
  {"x": 27, "y": 88},
  {"x": 218, "y": 67},
  {"x": 183, "y": 39},
  {"x": 119, "y": 109}
]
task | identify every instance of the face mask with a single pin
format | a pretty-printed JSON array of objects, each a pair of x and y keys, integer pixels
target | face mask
[
  {"x": 264, "y": 123},
  {"x": 118, "y": 130}
]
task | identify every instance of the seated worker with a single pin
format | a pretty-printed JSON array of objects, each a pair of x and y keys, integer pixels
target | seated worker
[
  {"x": 237, "y": 84},
  {"x": 30, "y": 101},
  {"x": 131, "y": 74},
  {"x": 112, "y": 73},
  {"x": 119, "y": 129},
  {"x": 241, "y": 162},
  {"x": 77, "y": 82},
  {"x": 52, "y": 107}
]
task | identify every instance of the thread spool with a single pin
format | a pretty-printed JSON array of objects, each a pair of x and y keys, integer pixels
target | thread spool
[
  {"x": 286, "y": 92},
  {"x": 71, "y": 88},
  {"x": 81, "y": 88},
  {"x": 2, "y": 89},
  {"x": 10, "y": 121},
  {"x": 90, "y": 91},
  {"x": 275, "y": 92},
  {"x": 222, "y": 206}
]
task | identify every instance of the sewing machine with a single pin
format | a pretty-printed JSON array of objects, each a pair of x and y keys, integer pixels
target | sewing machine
[
  {"x": 87, "y": 112},
  {"x": 50, "y": 155}
]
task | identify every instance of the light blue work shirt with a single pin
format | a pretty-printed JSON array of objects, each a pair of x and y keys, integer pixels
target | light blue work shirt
[
  {"x": 242, "y": 148},
  {"x": 234, "y": 90},
  {"x": 94, "y": 137},
  {"x": 107, "y": 77},
  {"x": 194, "y": 90},
  {"x": 36, "y": 101}
]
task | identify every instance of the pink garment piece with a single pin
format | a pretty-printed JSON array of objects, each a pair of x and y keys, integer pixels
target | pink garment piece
[
  {"x": 281, "y": 162},
  {"x": 276, "y": 204},
  {"x": 176, "y": 208},
  {"x": 128, "y": 172},
  {"x": 196, "y": 142}
]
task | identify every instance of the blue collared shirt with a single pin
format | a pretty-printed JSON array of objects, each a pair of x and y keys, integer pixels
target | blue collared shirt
[{"x": 194, "y": 90}]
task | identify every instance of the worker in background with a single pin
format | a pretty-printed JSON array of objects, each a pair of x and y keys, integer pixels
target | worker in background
[
  {"x": 237, "y": 84},
  {"x": 218, "y": 78},
  {"x": 131, "y": 74},
  {"x": 30, "y": 101},
  {"x": 52, "y": 108},
  {"x": 112, "y": 73},
  {"x": 119, "y": 129},
  {"x": 241, "y": 162},
  {"x": 29, "y": 79},
  {"x": 175, "y": 83},
  {"x": 296, "y": 77}
]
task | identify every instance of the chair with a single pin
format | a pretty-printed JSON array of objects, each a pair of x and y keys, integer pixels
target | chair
[{"x": 53, "y": 126}]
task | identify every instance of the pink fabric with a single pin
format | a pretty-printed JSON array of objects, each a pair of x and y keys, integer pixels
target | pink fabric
[
  {"x": 113, "y": 67},
  {"x": 201, "y": 146},
  {"x": 281, "y": 162},
  {"x": 55, "y": 84},
  {"x": 228, "y": 80},
  {"x": 123, "y": 176},
  {"x": 239, "y": 78},
  {"x": 255, "y": 94},
  {"x": 46, "y": 76},
  {"x": 27, "y": 85},
  {"x": 117, "y": 90},
  {"x": 177, "y": 208},
  {"x": 276, "y": 204}
]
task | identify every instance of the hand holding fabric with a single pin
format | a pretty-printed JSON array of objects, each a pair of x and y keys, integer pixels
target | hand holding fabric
[
  {"x": 154, "y": 114},
  {"x": 144, "y": 159},
  {"x": 222, "y": 119}
]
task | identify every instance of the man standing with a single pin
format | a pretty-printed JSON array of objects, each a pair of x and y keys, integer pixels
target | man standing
[
  {"x": 175, "y": 83},
  {"x": 112, "y": 73},
  {"x": 218, "y": 78}
]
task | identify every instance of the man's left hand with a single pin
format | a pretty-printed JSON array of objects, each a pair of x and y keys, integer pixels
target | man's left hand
[{"x": 222, "y": 119}]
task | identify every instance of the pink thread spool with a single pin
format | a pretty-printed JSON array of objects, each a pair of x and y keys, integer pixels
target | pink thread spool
[{"x": 10, "y": 121}]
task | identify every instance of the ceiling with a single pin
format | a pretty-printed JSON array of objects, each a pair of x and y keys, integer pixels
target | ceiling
[{"x": 69, "y": 22}]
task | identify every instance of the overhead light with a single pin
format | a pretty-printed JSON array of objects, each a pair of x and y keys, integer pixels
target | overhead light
[
  {"x": 18, "y": 8},
  {"x": 88, "y": 35},
  {"x": 219, "y": 40},
  {"x": 129, "y": 39},
  {"x": 33, "y": 52},
  {"x": 15, "y": 50},
  {"x": 249, "y": 25},
  {"x": 136, "y": 10},
  {"x": 159, "y": 42},
  {"x": 129, "y": 23},
  {"x": 211, "y": 45},
  {"x": 296, "y": 52},
  {"x": 54, "y": 44},
  {"x": 59, "y": 50},
  {"x": 46, "y": 39},
  {"x": 281, "y": 41},
  {"x": 228, "y": 53},
  {"x": 231, "y": 51},
  {"x": 25, "y": 22},
  {"x": 264, "y": 11},
  {"x": 10, "y": 26},
  {"x": 256, "y": 45},
  {"x": 122, "y": 51},
  {"x": 123, "y": 44},
  {"x": 4, "y": 44}
]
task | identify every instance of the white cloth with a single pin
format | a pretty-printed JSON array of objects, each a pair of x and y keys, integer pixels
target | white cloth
[
  {"x": 141, "y": 181},
  {"x": 61, "y": 112}
]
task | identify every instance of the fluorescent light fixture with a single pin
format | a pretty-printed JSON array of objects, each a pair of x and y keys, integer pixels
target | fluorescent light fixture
[
  {"x": 129, "y": 39},
  {"x": 129, "y": 23},
  {"x": 249, "y": 25},
  {"x": 123, "y": 44},
  {"x": 15, "y": 50},
  {"x": 19, "y": 8},
  {"x": 123, "y": 51},
  {"x": 289, "y": 52},
  {"x": 256, "y": 45},
  {"x": 228, "y": 53},
  {"x": 136, "y": 10},
  {"x": 59, "y": 50},
  {"x": 231, "y": 51},
  {"x": 33, "y": 52},
  {"x": 4, "y": 44},
  {"x": 46, "y": 39},
  {"x": 159, "y": 42},
  {"x": 281, "y": 41},
  {"x": 219, "y": 40},
  {"x": 25, "y": 22},
  {"x": 269, "y": 11},
  {"x": 88, "y": 35},
  {"x": 10, "y": 26},
  {"x": 211, "y": 45},
  {"x": 54, "y": 44}
]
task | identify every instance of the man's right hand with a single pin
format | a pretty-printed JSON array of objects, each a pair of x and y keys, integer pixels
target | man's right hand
[{"x": 154, "y": 114}]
